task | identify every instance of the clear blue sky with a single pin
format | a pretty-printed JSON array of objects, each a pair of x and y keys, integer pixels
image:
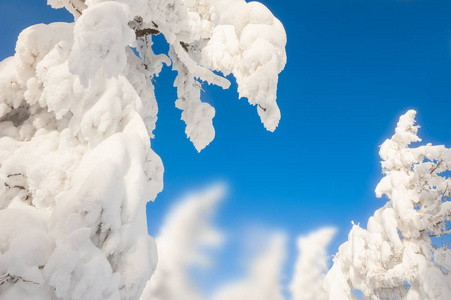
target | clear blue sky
[{"x": 354, "y": 66}]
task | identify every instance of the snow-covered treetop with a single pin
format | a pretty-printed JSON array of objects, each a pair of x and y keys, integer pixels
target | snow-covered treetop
[
  {"x": 185, "y": 233},
  {"x": 229, "y": 36},
  {"x": 311, "y": 265},
  {"x": 395, "y": 257}
]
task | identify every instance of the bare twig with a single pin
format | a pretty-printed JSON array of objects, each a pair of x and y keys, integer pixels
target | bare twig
[
  {"x": 184, "y": 46},
  {"x": 145, "y": 31},
  {"x": 7, "y": 277},
  {"x": 15, "y": 186},
  {"x": 436, "y": 166},
  {"x": 77, "y": 9},
  {"x": 154, "y": 80},
  {"x": 439, "y": 234},
  {"x": 15, "y": 174}
]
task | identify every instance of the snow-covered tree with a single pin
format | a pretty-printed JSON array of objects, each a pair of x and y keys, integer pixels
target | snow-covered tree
[
  {"x": 311, "y": 265},
  {"x": 264, "y": 280},
  {"x": 396, "y": 256},
  {"x": 77, "y": 108},
  {"x": 187, "y": 230},
  {"x": 264, "y": 277}
]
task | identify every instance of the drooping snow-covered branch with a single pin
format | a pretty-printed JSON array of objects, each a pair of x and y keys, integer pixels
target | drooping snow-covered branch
[
  {"x": 232, "y": 37},
  {"x": 249, "y": 42},
  {"x": 197, "y": 115}
]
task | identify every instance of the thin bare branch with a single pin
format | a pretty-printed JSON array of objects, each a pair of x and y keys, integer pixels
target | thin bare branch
[{"x": 146, "y": 31}]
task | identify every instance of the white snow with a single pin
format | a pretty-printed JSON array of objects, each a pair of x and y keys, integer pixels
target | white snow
[
  {"x": 395, "y": 257},
  {"x": 187, "y": 230},
  {"x": 311, "y": 266},
  {"x": 77, "y": 110},
  {"x": 263, "y": 280},
  {"x": 77, "y": 160}
]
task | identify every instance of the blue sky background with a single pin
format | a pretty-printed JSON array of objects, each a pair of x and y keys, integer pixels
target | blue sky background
[{"x": 354, "y": 66}]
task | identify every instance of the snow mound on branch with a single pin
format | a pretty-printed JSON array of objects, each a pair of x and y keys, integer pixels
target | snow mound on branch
[
  {"x": 249, "y": 42},
  {"x": 100, "y": 37}
]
